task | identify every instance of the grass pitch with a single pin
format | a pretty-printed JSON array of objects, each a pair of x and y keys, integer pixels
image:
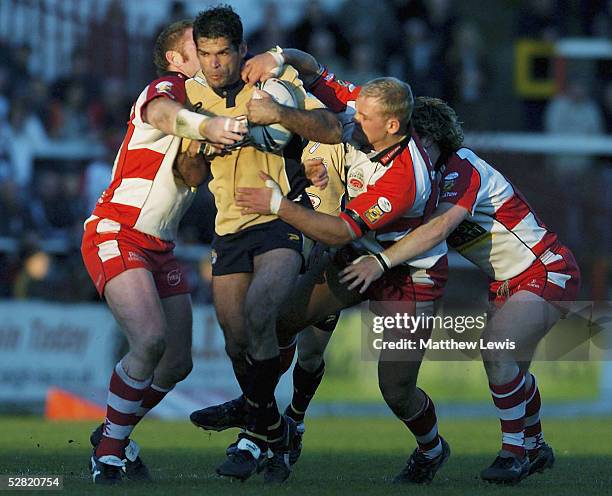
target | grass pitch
[{"x": 341, "y": 456}]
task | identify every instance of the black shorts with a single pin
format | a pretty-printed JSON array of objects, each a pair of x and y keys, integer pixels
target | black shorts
[{"x": 234, "y": 253}]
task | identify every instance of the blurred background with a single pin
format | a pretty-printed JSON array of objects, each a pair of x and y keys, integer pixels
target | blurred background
[{"x": 530, "y": 79}]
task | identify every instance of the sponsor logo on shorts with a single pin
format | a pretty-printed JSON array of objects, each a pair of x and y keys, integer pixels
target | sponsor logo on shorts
[
  {"x": 293, "y": 237},
  {"x": 374, "y": 213},
  {"x": 136, "y": 257},
  {"x": 213, "y": 257},
  {"x": 174, "y": 277},
  {"x": 534, "y": 283}
]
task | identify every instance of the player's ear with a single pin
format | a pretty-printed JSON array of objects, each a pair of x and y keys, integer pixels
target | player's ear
[
  {"x": 173, "y": 57},
  {"x": 242, "y": 49},
  {"x": 393, "y": 125}
]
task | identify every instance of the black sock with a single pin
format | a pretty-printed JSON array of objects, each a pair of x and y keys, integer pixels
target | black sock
[
  {"x": 305, "y": 385},
  {"x": 242, "y": 371},
  {"x": 261, "y": 396}
]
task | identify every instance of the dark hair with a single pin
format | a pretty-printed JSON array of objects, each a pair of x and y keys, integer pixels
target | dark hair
[
  {"x": 434, "y": 118},
  {"x": 168, "y": 40},
  {"x": 218, "y": 22}
]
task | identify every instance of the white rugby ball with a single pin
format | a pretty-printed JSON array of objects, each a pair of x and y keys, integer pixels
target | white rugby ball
[{"x": 274, "y": 137}]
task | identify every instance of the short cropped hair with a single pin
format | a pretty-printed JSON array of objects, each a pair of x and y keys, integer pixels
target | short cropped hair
[
  {"x": 219, "y": 22},
  {"x": 395, "y": 97},
  {"x": 434, "y": 118},
  {"x": 168, "y": 39}
]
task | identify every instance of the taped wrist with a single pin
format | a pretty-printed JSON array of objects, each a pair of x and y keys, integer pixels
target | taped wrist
[
  {"x": 276, "y": 198},
  {"x": 279, "y": 58},
  {"x": 187, "y": 124}
]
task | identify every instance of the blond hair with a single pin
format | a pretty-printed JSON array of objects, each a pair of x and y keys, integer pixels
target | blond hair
[{"x": 394, "y": 96}]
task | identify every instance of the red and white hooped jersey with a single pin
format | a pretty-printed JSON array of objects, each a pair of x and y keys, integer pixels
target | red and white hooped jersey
[
  {"x": 144, "y": 194},
  {"x": 389, "y": 193},
  {"x": 502, "y": 234}
]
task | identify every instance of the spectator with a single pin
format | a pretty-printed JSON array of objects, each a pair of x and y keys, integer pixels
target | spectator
[
  {"x": 607, "y": 106},
  {"x": 467, "y": 76},
  {"x": 418, "y": 60},
  {"x": 57, "y": 207},
  {"x": 318, "y": 23},
  {"x": 20, "y": 137},
  {"x": 573, "y": 113},
  {"x": 39, "y": 276},
  {"x": 372, "y": 25},
  {"x": 271, "y": 31},
  {"x": 538, "y": 20}
]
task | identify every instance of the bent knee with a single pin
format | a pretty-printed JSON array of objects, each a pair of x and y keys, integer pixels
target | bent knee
[
  {"x": 151, "y": 347},
  {"x": 180, "y": 370}
]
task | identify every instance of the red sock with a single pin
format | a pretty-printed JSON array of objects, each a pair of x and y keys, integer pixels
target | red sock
[
  {"x": 424, "y": 426},
  {"x": 151, "y": 398},
  {"x": 124, "y": 399},
  {"x": 509, "y": 400},
  {"x": 534, "y": 438}
]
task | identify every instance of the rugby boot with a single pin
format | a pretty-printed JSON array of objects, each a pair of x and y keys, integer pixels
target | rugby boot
[
  {"x": 509, "y": 469},
  {"x": 421, "y": 470},
  {"x": 106, "y": 470},
  {"x": 278, "y": 468},
  {"x": 295, "y": 448},
  {"x": 133, "y": 466},
  {"x": 232, "y": 413},
  {"x": 245, "y": 460},
  {"x": 541, "y": 459}
]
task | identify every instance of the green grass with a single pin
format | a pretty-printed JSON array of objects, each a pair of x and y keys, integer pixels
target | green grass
[
  {"x": 349, "y": 378},
  {"x": 341, "y": 456}
]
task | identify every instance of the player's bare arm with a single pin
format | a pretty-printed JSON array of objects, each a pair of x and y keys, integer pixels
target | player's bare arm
[
  {"x": 191, "y": 166},
  {"x": 269, "y": 64},
  {"x": 367, "y": 269},
  {"x": 320, "y": 125},
  {"x": 172, "y": 118},
  {"x": 328, "y": 229}
]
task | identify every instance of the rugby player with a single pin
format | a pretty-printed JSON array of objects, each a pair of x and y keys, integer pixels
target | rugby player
[
  {"x": 256, "y": 258},
  {"x": 127, "y": 248},
  {"x": 532, "y": 277},
  {"x": 391, "y": 190}
]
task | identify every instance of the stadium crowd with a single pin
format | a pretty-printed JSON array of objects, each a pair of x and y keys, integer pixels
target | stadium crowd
[{"x": 431, "y": 43}]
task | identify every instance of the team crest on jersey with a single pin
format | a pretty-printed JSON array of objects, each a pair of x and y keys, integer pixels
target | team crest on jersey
[
  {"x": 164, "y": 87},
  {"x": 355, "y": 182},
  {"x": 374, "y": 213},
  {"x": 329, "y": 77},
  {"x": 384, "y": 204},
  {"x": 314, "y": 200}
]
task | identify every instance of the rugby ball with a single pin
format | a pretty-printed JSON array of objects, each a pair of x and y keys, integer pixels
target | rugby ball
[{"x": 274, "y": 137}]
